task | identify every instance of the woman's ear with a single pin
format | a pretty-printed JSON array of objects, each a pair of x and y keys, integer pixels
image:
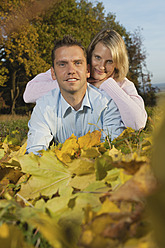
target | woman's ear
[{"x": 53, "y": 73}]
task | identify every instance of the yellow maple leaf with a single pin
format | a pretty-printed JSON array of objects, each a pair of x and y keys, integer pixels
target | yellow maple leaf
[
  {"x": 115, "y": 154},
  {"x": 4, "y": 231},
  {"x": 128, "y": 131},
  {"x": 134, "y": 157},
  {"x": 108, "y": 207},
  {"x": 90, "y": 139},
  {"x": 92, "y": 152},
  {"x": 124, "y": 177},
  {"x": 68, "y": 150}
]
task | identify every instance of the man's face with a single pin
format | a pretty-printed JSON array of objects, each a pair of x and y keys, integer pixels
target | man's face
[
  {"x": 102, "y": 65},
  {"x": 70, "y": 69}
]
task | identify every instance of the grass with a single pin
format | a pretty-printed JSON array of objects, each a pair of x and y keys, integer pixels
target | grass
[
  {"x": 9, "y": 123},
  {"x": 7, "y": 118}
]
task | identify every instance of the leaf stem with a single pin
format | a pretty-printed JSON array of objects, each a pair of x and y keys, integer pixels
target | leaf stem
[{"x": 25, "y": 200}]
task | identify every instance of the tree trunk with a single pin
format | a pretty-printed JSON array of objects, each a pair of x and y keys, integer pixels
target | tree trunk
[{"x": 14, "y": 91}]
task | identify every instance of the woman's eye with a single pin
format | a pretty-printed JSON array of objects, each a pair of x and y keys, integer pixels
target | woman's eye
[
  {"x": 97, "y": 57},
  {"x": 110, "y": 61}
]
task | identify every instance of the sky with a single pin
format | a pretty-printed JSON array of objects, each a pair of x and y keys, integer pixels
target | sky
[{"x": 150, "y": 16}]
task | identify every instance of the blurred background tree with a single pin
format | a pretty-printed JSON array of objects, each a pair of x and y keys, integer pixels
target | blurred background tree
[{"x": 28, "y": 29}]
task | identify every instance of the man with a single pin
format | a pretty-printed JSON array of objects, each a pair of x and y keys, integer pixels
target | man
[{"x": 70, "y": 108}]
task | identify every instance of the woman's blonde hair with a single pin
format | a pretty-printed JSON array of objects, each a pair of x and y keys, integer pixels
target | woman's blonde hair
[{"x": 112, "y": 40}]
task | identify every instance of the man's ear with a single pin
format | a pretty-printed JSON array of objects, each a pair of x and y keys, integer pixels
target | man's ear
[
  {"x": 53, "y": 73},
  {"x": 88, "y": 71}
]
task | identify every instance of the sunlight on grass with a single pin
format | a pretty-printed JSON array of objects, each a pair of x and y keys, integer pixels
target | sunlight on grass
[
  {"x": 14, "y": 117},
  {"x": 10, "y": 123}
]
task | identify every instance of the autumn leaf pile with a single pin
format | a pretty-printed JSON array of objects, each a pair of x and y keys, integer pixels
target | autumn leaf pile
[{"x": 82, "y": 193}]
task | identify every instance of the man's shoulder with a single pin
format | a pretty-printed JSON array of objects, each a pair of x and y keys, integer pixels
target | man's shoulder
[
  {"x": 100, "y": 100},
  {"x": 97, "y": 93},
  {"x": 49, "y": 98}
]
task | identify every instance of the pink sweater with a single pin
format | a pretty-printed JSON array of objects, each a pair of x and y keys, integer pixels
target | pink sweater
[{"x": 130, "y": 104}]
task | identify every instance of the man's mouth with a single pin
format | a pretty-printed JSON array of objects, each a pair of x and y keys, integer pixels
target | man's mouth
[{"x": 71, "y": 79}]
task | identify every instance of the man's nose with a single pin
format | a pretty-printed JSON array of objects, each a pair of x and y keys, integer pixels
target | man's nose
[{"x": 71, "y": 68}]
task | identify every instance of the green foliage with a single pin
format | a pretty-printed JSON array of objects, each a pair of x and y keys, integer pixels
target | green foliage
[
  {"x": 19, "y": 55},
  {"x": 79, "y": 19},
  {"x": 138, "y": 72},
  {"x": 26, "y": 47}
]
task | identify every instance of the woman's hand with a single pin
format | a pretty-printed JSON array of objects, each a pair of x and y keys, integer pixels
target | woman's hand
[{"x": 97, "y": 83}]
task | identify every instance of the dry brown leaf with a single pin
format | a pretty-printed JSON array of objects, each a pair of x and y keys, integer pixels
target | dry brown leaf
[{"x": 142, "y": 184}]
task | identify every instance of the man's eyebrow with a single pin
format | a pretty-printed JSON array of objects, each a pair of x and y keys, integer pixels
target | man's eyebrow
[
  {"x": 61, "y": 62},
  {"x": 78, "y": 60}
]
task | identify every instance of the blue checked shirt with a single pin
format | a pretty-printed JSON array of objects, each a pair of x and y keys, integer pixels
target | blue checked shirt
[{"x": 54, "y": 119}]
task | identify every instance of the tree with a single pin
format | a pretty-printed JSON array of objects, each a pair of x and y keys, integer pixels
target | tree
[
  {"x": 19, "y": 55},
  {"x": 138, "y": 71},
  {"x": 29, "y": 27},
  {"x": 79, "y": 19}
]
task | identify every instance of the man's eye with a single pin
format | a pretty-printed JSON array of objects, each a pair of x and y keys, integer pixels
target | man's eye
[
  {"x": 78, "y": 62},
  {"x": 61, "y": 64}
]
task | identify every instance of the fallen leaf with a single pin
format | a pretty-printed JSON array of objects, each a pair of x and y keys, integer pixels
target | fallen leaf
[
  {"x": 68, "y": 149},
  {"x": 11, "y": 236},
  {"x": 142, "y": 184},
  {"x": 48, "y": 175},
  {"x": 81, "y": 182},
  {"x": 81, "y": 166},
  {"x": 90, "y": 139},
  {"x": 115, "y": 154},
  {"x": 102, "y": 165},
  {"x": 92, "y": 152}
]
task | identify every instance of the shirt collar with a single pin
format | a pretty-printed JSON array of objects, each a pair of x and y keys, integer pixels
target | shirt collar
[{"x": 67, "y": 108}]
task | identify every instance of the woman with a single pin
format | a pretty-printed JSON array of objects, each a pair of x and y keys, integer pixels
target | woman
[{"x": 108, "y": 64}]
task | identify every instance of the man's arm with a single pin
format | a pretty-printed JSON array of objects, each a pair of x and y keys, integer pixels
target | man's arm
[
  {"x": 113, "y": 125},
  {"x": 39, "y": 135}
]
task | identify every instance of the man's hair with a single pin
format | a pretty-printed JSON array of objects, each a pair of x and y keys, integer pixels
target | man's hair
[
  {"x": 112, "y": 40},
  {"x": 67, "y": 41}
]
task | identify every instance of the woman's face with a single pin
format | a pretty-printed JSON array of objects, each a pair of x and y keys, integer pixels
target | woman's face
[{"x": 102, "y": 65}]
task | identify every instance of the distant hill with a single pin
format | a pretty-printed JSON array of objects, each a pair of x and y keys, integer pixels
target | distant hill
[{"x": 161, "y": 86}]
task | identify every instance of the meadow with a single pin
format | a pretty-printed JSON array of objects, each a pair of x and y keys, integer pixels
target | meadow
[{"x": 11, "y": 123}]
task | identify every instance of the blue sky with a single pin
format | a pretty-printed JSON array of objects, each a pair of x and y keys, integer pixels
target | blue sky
[{"x": 150, "y": 16}]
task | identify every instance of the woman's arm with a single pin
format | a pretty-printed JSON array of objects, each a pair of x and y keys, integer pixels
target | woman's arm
[
  {"x": 130, "y": 104},
  {"x": 39, "y": 86}
]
